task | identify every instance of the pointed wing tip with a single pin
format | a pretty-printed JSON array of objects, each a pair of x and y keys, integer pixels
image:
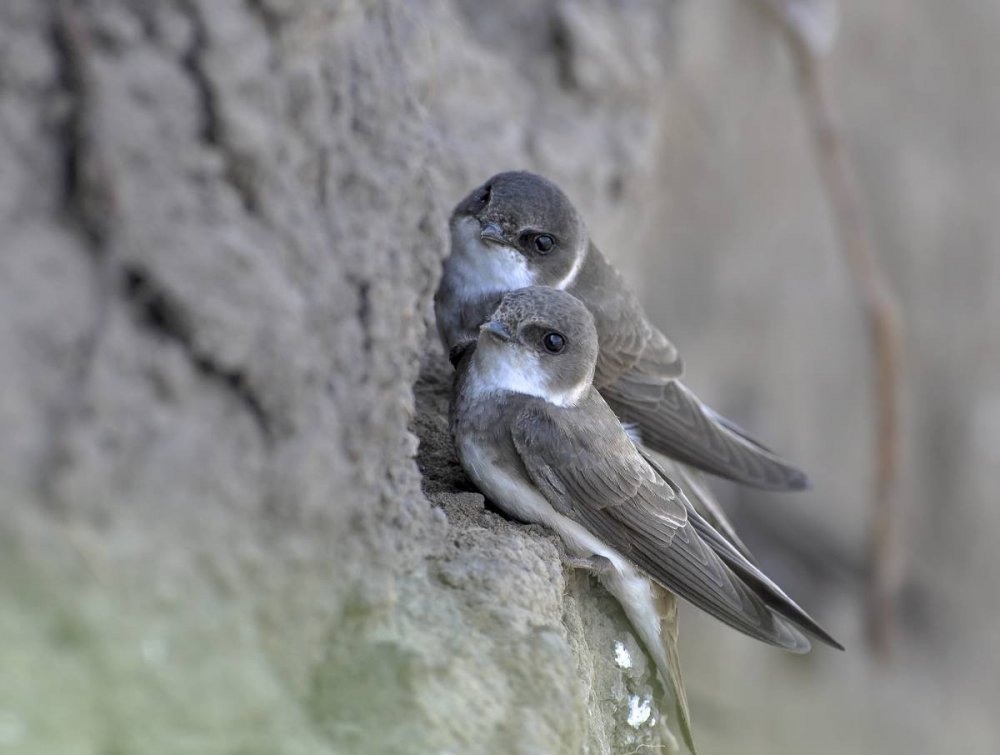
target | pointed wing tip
[
  {"x": 791, "y": 480},
  {"x": 799, "y": 481},
  {"x": 799, "y": 648},
  {"x": 830, "y": 642},
  {"x": 788, "y": 636},
  {"x": 805, "y": 625},
  {"x": 804, "y": 646}
]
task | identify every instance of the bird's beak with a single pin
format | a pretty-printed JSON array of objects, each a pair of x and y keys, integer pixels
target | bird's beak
[
  {"x": 497, "y": 329},
  {"x": 492, "y": 233}
]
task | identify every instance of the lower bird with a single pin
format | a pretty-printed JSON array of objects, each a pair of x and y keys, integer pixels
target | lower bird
[{"x": 542, "y": 444}]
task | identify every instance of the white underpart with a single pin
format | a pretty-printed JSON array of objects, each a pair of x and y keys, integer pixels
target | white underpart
[
  {"x": 509, "y": 367},
  {"x": 519, "y": 498},
  {"x": 481, "y": 268}
]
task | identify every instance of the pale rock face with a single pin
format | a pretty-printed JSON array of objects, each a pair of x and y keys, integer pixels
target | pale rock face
[{"x": 210, "y": 341}]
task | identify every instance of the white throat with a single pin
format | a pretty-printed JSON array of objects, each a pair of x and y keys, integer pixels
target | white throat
[
  {"x": 480, "y": 268},
  {"x": 509, "y": 368}
]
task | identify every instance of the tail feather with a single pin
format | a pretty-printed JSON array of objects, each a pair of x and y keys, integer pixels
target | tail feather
[
  {"x": 670, "y": 665},
  {"x": 719, "y": 534}
]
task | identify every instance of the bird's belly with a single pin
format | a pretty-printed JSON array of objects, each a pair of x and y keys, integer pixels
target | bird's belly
[
  {"x": 518, "y": 497},
  {"x": 514, "y": 497}
]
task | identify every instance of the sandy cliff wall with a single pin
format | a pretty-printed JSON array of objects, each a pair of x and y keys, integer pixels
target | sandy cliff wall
[
  {"x": 230, "y": 517},
  {"x": 222, "y": 225}
]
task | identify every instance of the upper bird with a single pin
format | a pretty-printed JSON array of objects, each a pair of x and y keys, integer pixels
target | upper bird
[{"x": 519, "y": 229}]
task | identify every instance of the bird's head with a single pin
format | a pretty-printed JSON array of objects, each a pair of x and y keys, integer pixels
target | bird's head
[
  {"x": 519, "y": 229},
  {"x": 541, "y": 342}
]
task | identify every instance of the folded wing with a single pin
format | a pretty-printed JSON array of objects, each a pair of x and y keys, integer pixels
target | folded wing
[
  {"x": 674, "y": 422},
  {"x": 590, "y": 471}
]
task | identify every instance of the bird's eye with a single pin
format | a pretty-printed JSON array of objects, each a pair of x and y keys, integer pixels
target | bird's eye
[
  {"x": 544, "y": 243},
  {"x": 553, "y": 342},
  {"x": 483, "y": 198}
]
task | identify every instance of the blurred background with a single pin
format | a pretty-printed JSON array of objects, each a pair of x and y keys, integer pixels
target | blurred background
[
  {"x": 228, "y": 522},
  {"x": 755, "y": 291}
]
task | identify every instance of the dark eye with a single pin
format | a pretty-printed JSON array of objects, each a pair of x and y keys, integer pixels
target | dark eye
[
  {"x": 553, "y": 342},
  {"x": 544, "y": 243}
]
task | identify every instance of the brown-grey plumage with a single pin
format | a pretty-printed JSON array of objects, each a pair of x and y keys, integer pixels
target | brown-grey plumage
[
  {"x": 589, "y": 470},
  {"x": 519, "y": 229},
  {"x": 544, "y": 446}
]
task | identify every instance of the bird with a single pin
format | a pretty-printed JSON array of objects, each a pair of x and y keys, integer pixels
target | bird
[
  {"x": 539, "y": 440},
  {"x": 519, "y": 229}
]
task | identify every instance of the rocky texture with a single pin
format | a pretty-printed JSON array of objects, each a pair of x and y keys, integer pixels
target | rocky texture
[{"x": 220, "y": 226}]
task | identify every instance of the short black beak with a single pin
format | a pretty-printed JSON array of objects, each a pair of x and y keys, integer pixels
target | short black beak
[
  {"x": 493, "y": 233},
  {"x": 496, "y": 328}
]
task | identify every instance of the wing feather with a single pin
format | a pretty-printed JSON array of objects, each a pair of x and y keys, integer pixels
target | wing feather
[
  {"x": 674, "y": 422},
  {"x": 588, "y": 469}
]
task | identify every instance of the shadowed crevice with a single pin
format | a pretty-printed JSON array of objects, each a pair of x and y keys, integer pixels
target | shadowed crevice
[
  {"x": 88, "y": 192},
  {"x": 156, "y": 310},
  {"x": 237, "y": 170}
]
